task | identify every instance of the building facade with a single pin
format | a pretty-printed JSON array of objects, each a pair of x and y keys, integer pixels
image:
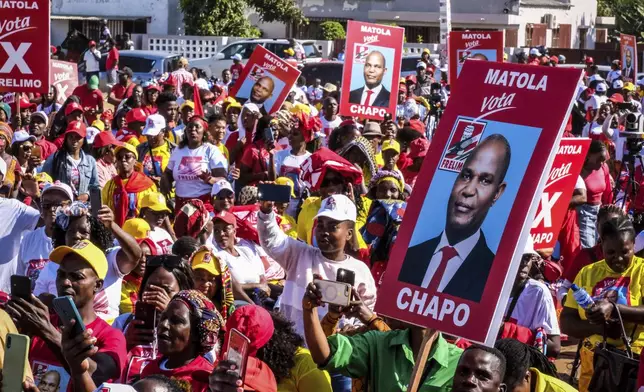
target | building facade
[{"x": 553, "y": 23}]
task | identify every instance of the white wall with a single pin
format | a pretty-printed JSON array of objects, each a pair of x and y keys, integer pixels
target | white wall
[{"x": 58, "y": 30}]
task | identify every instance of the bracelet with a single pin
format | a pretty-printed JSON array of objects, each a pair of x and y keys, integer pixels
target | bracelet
[{"x": 372, "y": 319}]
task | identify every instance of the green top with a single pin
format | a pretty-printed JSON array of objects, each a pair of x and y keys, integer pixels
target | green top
[{"x": 386, "y": 359}]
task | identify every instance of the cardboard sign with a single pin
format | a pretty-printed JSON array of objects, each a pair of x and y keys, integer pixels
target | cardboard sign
[
  {"x": 265, "y": 81},
  {"x": 371, "y": 70},
  {"x": 24, "y": 45},
  {"x": 628, "y": 54},
  {"x": 64, "y": 76},
  {"x": 555, "y": 198},
  {"x": 473, "y": 45},
  {"x": 459, "y": 247}
]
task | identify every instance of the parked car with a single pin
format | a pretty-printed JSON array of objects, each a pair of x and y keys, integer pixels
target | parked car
[
  {"x": 326, "y": 71},
  {"x": 145, "y": 65},
  {"x": 213, "y": 66},
  {"x": 409, "y": 63}
]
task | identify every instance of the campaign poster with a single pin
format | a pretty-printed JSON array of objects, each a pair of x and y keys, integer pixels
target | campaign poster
[
  {"x": 459, "y": 247},
  {"x": 48, "y": 377},
  {"x": 557, "y": 192},
  {"x": 628, "y": 54},
  {"x": 64, "y": 76},
  {"x": 265, "y": 81},
  {"x": 371, "y": 70},
  {"x": 24, "y": 46},
  {"x": 473, "y": 45}
]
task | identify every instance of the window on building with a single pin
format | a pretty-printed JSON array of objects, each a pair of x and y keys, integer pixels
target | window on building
[
  {"x": 582, "y": 38},
  {"x": 555, "y": 38},
  {"x": 138, "y": 26},
  {"x": 528, "y": 35}
]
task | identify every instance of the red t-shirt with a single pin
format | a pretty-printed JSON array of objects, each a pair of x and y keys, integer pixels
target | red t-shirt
[
  {"x": 46, "y": 148},
  {"x": 597, "y": 185},
  {"x": 108, "y": 340},
  {"x": 112, "y": 58},
  {"x": 195, "y": 373},
  {"x": 89, "y": 98},
  {"x": 236, "y": 70},
  {"x": 256, "y": 157},
  {"x": 121, "y": 92}
]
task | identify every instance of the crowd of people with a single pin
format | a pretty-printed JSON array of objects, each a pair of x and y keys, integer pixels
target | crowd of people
[{"x": 142, "y": 206}]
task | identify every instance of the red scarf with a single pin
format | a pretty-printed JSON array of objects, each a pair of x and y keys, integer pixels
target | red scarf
[{"x": 137, "y": 183}]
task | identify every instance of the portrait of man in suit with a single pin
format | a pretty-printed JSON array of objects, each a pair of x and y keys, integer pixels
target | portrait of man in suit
[
  {"x": 373, "y": 93},
  {"x": 458, "y": 261},
  {"x": 629, "y": 71}
]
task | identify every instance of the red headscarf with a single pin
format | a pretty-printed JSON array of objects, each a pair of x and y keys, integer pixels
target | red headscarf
[
  {"x": 124, "y": 196},
  {"x": 315, "y": 167},
  {"x": 308, "y": 125}
]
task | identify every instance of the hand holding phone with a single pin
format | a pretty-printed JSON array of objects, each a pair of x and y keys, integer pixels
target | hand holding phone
[
  {"x": 334, "y": 293},
  {"x": 274, "y": 192},
  {"x": 21, "y": 287},
  {"x": 237, "y": 351},
  {"x": 346, "y": 276},
  {"x": 147, "y": 313},
  {"x": 15, "y": 362},
  {"x": 67, "y": 311},
  {"x": 96, "y": 200}
]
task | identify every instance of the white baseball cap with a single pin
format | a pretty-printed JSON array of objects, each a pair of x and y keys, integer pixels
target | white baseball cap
[
  {"x": 618, "y": 84},
  {"x": 42, "y": 115},
  {"x": 59, "y": 186},
  {"x": 154, "y": 125},
  {"x": 237, "y": 57},
  {"x": 595, "y": 77},
  {"x": 534, "y": 52},
  {"x": 529, "y": 247},
  {"x": 421, "y": 64},
  {"x": 22, "y": 136},
  {"x": 338, "y": 207},
  {"x": 220, "y": 186},
  {"x": 91, "y": 134},
  {"x": 109, "y": 387},
  {"x": 601, "y": 87}
]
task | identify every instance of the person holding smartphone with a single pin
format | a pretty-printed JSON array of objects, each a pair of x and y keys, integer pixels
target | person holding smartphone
[{"x": 93, "y": 357}]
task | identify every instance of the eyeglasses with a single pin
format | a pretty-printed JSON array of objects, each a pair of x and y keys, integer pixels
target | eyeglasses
[{"x": 167, "y": 261}]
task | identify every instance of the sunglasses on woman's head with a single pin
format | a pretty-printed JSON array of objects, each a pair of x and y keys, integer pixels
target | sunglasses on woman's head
[{"x": 168, "y": 261}]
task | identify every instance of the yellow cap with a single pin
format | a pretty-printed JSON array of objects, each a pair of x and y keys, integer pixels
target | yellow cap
[
  {"x": 203, "y": 258},
  {"x": 286, "y": 181},
  {"x": 628, "y": 86},
  {"x": 187, "y": 104},
  {"x": 86, "y": 251},
  {"x": 505, "y": 56},
  {"x": 43, "y": 177},
  {"x": 426, "y": 51},
  {"x": 403, "y": 80},
  {"x": 391, "y": 145},
  {"x": 290, "y": 52},
  {"x": 137, "y": 228},
  {"x": 155, "y": 201},
  {"x": 128, "y": 147},
  {"x": 98, "y": 124}
]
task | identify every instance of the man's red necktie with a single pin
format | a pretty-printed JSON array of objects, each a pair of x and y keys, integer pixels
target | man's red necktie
[
  {"x": 367, "y": 100},
  {"x": 448, "y": 254}
]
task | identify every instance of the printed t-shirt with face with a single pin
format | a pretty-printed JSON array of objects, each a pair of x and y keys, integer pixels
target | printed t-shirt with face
[
  {"x": 17, "y": 219},
  {"x": 106, "y": 301},
  {"x": 535, "y": 309},
  {"x": 75, "y": 178},
  {"x": 187, "y": 165},
  {"x": 161, "y": 157},
  {"x": 626, "y": 288},
  {"x": 35, "y": 248},
  {"x": 162, "y": 240},
  {"x": 248, "y": 266},
  {"x": 45, "y": 364}
]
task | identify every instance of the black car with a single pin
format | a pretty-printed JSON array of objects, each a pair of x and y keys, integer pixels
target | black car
[{"x": 326, "y": 71}]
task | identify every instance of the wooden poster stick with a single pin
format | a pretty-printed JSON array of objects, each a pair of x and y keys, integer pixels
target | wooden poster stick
[{"x": 429, "y": 337}]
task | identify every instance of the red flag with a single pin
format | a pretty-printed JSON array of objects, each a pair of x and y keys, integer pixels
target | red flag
[{"x": 197, "y": 100}]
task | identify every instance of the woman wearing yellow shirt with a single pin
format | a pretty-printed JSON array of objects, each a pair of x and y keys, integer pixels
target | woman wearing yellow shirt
[
  {"x": 614, "y": 283},
  {"x": 123, "y": 193},
  {"x": 155, "y": 153}
]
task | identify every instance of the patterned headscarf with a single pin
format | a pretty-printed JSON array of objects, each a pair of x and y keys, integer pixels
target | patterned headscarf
[
  {"x": 247, "y": 194},
  {"x": 210, "y": 324},
  {"x": 6, "y": 132},
  {"x": 65, "y": 213},
  {"x": 191, "y": 219},
  {"x": 387, "y": 175},
  {"x": 369, "y": 169}
]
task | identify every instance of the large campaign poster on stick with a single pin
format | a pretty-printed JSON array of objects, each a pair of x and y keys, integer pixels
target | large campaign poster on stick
[
  {"x": 265, "y": 81},
  {"x": 64, "y": 77},
  {"x": 555, "y": 199},
  {"x": 473, "y": 45},
  {"x": 24, "y": 46},
  {"x": 466, "y": 224},
  {"x": 371, "y": 70},
  {"x": 628, "y": 54}
]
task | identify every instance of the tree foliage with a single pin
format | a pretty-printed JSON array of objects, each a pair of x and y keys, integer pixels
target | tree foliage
[
  {"x": 228, "y": 17},
  {"x": 331, "y": 30},
  {"x": 629, "y": 15}
]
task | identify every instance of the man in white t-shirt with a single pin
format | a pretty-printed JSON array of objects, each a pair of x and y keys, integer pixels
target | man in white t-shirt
[
  {"x": 92, "y": 58},
  {"x": 17, "y": 218},
  {"x": 329, "y": 117},
  {"x": 36, "y": 246},
  {"x": 534, "y": 309}
]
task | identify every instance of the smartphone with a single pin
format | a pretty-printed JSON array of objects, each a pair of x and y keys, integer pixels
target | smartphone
[
  {"x": 36, "y": 151},
  {"x": 334, "y": 293},
  {"x": 21, "y": 287},
  {"x": 237, "y": 351},
  {"x": 95, "y": 200},
  {"x": 15, "y": 360},
  {"x": 147, "y": 313},
  {"x": 274, "y": 192},
  {"x": 269, "y": 135},
  {"x": 346, "y": 276},
  {"x": 66, "y": 311}
]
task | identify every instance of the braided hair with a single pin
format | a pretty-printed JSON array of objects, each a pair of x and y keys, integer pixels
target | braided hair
[
  {"x": 618, "y": 227},
  {"x": 609, "y": 209},
  {"x": 519, "y": 358}
]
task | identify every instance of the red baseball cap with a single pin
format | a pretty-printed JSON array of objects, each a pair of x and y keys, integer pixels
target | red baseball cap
[
  {"x": 24, "y": 103},
  {"x": 554, "y": 59},
  {"x": 411, "y": 78},
  {"x": 590, "y": 60},
  {"x": 418, "y": 148},
  {"x": 136, "y": 115},
  {"x": 92, "y": 43},
  {"x": 616, "y": 98},
  {"x": 72, "y": 107},
  {"x": 227, "y": 217},
  {"x": 418, "y": 126},
  {"x": 171, "y": 80},
  {"x": 77, "y": 127},
  {"x": 104, "y": 139}
]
